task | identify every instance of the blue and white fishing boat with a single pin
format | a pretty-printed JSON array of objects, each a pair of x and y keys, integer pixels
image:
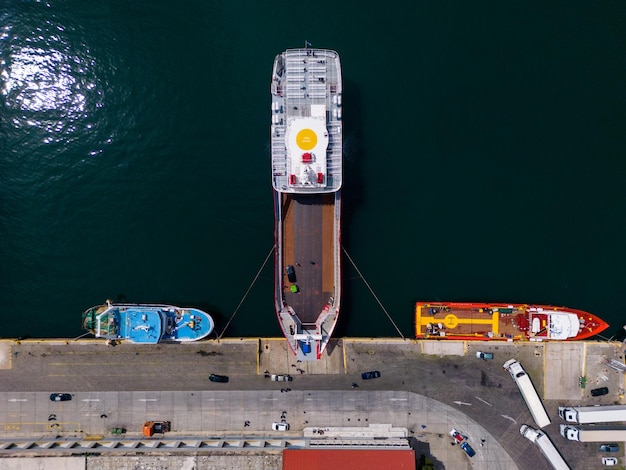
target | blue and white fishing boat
[{"x": 147, "y": 323}]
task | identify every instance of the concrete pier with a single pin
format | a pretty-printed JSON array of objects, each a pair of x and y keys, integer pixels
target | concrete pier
[{"x": 426, "y": 387}]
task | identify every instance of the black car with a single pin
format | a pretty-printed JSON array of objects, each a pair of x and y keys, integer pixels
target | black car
[
  {"x": 372, "y": 374},
  {"x": 291, "y": 273},
  {"x": 609, "y": 448},
  {"x": 60, "y": 397},
  {"x": 598, "y": 392},
  {"x": 218, "y": 378}
]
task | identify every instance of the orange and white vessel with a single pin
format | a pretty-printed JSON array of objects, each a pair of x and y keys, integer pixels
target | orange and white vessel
[
  {"x": 306, "y": 155},
  {"x": 506, "y": 322}
]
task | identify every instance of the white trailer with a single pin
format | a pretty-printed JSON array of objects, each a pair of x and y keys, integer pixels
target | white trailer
[
  {"x": 526, "y": 387},
  {"x": 594, "y": 433},
  {"x": 545, "y": 446},
  {"x": 593, "y": 414}
]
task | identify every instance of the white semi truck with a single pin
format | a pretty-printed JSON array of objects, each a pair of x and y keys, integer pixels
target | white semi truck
[
  {"x": 593, "y": 414},
  {"x": 594, "y": 433},
  {"x": 545, "y": 446},
  {"x": 526, "y": 387}
]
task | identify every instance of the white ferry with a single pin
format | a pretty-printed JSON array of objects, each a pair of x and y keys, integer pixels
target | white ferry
[{"x": 306, "y": 176}]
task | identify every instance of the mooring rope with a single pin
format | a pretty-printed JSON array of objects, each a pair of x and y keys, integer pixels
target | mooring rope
[
  {"x": 82, "y": 336},
  {"x": 372, "y": 291},
  {"x": 247, "y": 292}
]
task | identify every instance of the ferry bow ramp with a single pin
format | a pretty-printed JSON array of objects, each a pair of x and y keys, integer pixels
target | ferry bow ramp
[{"x": 306, "y": 157}]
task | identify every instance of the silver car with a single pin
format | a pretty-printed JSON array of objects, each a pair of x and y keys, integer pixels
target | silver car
[{"x": 281, "y": 378}]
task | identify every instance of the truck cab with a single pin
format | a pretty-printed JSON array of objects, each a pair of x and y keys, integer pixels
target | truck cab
[
  {"x": 150, "y": 428},
  {"x": 568, "y": 414}
]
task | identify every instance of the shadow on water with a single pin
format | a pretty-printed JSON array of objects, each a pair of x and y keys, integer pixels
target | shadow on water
[{"x": 352, "y": 192}]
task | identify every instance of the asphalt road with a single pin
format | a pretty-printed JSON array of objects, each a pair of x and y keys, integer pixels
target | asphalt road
[{"x": 126, "y": 385}]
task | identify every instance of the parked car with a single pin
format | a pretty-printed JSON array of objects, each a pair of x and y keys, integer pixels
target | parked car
[
  {"x": 280, "y": 426},
  {"x": 291, "y": 273},
  {"x": 609, "y": 448},
  {"x": 485, "y": 356},
  {"x": 457, "y": 436},
  {"x": 598, "y": 392},
  {"x": 468, "y": 449},
  {"x": 218, "y": 378},
  {"x": 60, "y": 397},
  {"x": 609, "y": 461},
  {"x": 281, "y": 377},
  {"x": 372, "y": 374}
]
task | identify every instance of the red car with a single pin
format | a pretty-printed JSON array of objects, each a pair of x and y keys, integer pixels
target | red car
[{"x": 457, "y": 436}]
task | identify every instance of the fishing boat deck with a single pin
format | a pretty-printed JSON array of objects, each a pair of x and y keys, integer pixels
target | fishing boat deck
[
  {"x": 147, "y": 323},
  {"x": 188, "y": 324},
  {"x": 308, "y": 246}
]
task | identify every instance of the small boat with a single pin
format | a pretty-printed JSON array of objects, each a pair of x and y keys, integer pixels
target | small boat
[
  {"x": 506, "y": 322},
  {"x": 147, "y": 323}
]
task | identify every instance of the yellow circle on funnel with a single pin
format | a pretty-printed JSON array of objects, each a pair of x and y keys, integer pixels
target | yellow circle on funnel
[{"x": 306, "y": 139}]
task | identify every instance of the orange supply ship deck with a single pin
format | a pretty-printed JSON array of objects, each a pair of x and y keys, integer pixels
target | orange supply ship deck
[{"x": 507, "y": 322}]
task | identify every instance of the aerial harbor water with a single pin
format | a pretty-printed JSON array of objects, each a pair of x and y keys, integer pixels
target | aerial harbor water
[{"x": 483, "y": 158}]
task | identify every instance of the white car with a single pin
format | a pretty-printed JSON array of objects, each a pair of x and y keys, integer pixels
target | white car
[
  {"x": 609, "y": 461},
  {"x": 281, "y": 378},
  {"x": 280, "y": 426},
  {"x": 485, "y": 356}
]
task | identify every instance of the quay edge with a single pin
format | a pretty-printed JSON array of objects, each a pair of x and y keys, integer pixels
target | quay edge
[{"x": 445, "y": 371}]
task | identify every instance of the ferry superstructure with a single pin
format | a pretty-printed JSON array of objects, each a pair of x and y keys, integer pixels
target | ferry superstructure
[
  {"x": 507, "y": 322},
  {"x": 306, "y": 157},
  {"x": 147, "y": 323}
]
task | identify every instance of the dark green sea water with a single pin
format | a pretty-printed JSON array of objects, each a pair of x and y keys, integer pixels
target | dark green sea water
[{"x": 485, "y": 148}]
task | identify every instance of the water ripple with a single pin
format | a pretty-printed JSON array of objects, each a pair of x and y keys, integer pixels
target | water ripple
[{"x": 49, "y": 80}]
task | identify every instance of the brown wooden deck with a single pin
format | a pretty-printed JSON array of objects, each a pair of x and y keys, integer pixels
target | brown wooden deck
[{"x": 308, "y": 245}]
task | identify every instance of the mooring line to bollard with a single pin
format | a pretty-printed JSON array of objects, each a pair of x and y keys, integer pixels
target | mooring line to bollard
[
  {"x": 372, "y": 291},
  {"x": 247, "y": 292}
]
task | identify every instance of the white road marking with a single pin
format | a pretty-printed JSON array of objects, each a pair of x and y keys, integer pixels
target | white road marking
[
  {"x": 508, "y": 417},
  {"x": 485, "y": 402}
]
